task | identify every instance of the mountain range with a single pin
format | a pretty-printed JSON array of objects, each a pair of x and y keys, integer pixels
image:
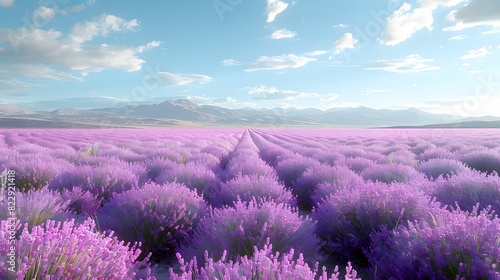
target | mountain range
[{"x": 184, "y": 113}]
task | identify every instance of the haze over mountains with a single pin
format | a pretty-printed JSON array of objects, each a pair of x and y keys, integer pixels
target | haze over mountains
[{"x": 184, "y": 113}]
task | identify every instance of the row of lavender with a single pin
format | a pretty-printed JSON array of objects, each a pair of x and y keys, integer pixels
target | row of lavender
[{"x": 371, "y": 197}]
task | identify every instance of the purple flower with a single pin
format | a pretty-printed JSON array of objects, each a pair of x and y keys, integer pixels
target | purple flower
[
  {"x": 263, "y": 264},
  {"x": 35, "y": 207},
  {"x": 238, "y": 229},
  {"x": 195, "y": 176},
  {"x": 248, "y": 187},
  {"x": 68, "y": 251},
  {"x": 484, "y": 161},
  {"x": 468, "y": 189},
  {"x": 453, "y": 245},
  {"x": 158, "y": 216},
  {"x": 390, "y": 173},
  {"x": 436, "y": 167},
  {"x": 346, "y": 218},
  {"x": 338, "y": 176}
]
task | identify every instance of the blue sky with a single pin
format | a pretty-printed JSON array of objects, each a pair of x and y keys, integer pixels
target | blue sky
[{"x": 436, "y": 55}]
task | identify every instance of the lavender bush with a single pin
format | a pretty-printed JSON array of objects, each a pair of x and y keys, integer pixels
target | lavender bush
[
  {"x": 436, "y": 167},
  {"x": 389, "y": 173},
  {"x": 346, "y": 218},
  {"x": 35, "y": 207},
  {"x": 468, "y": 189},
  {"x": 101, "y": 181},
  {"x": 456, "y": 245},
  {"x": 68, "y": 251},
  {"x": 238, "y": 229},
  {"x": 291, "y": 169},
  {"x": 306, "y": 185},
  {"x": 264, "y": 264},
  {"x": 195, "y": 176},
  {"x": 248, "y": 187},
  {"x": 158, "y": 216},
  {"x": 484, "y": 161}
]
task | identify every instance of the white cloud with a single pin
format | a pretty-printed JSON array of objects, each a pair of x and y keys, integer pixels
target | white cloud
[
  {"x": 101, "y": 26},
  {"x": 272, "y": 93},
  {"x": 329, "y": 97},
  {"x": 405, "y": 22},
  {"x": 148, "y": 46},
  {"x": 283, "y": 34},
  {"x": 345, "y": 42},
  {"x": 6, "y": 3},
  {"x": 459, "y": 37},
  {"x": 370, "y": 91},
  {"x": 316, "y": 53},
  {"x": 343, "y": 105},
  {"x": 229, "y": 62},
  {"x": 49, "y": 48},
  {"x": 476, "y": 54},
  {"x": 78, "y": 8},
  {"x": 205, "y": 100},
  {"x": 168, "y": 78},
  {"x": 340, "y": 25},
  {"x": 410, "y": 64},
  {"x": 273, "y": 8},
  {"x": 466, "y": 64},
  {"x": 475, "y": 13},
  {"x": 278, "y": 62},
  {"x": 43, "y": 14}
]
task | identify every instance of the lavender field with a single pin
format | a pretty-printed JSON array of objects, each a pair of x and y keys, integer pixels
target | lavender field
[{"x": 250, "y": 204}]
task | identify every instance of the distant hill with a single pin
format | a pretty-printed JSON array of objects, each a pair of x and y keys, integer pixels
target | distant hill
[{"x": 183, "y": 112}]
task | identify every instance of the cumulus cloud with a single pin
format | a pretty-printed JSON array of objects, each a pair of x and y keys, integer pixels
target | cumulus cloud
[
  {"x": 475, "y": 13},
  {"x": 410, "y": 64},
  {"x": 274, "y": 8},
  {"x": 168, "y": 78},
  {"x": 476, "y": 54},
  {"x": 345, "y": 42},
  {"x": 6, "y": 3},
  {"x": 43, "y": 14},
  {"x": 283, "y": 34},
  {"x": 272, "y": 93},
  {"x": 279, "y": 62},
  {"x": 49, "y": 48},
  {"x": 405, "y": 21}
]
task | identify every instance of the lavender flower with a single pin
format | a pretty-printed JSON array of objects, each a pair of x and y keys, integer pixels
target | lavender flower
[
  {"x": 291, "y": 169},
  {"x": 346, "y": 218},
  {"x": 263, "y": 264},
  {"x": 35, "y": 207},
  {"x": 468, "y": 189},
  {"x": 69, "y": 251},
  {"x": 306, "y": 185},
  {"x": 195, "y": 176},
  {"x": 248, "y": 187},
  {"x": 455, "y": 245},
  {"x": 158, "y": 216},
  {"x": 485, "y": 161},
  {"x": 389, "y": 173},
  {"x": 441, "y": 167},
  {"x": 238, "y": 229}
]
